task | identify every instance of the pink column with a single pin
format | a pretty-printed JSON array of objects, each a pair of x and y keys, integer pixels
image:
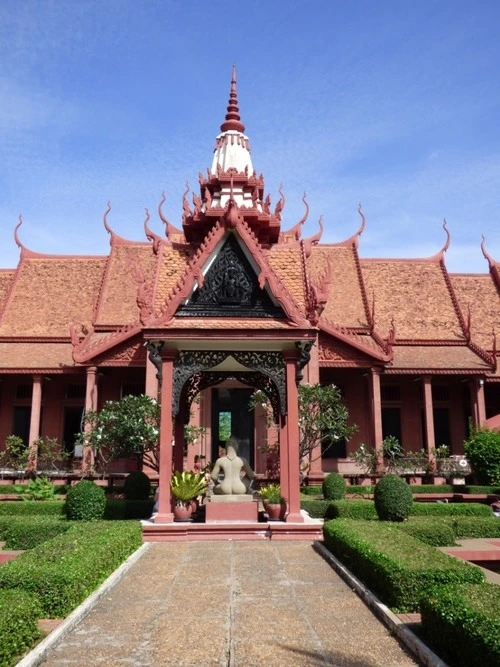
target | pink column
[
  {"x": 430, "y": 443},
  {"x": 151, "y": 388},
  {"x": 36, "y": 409},
  {"x": 283, "y": 449},
  {"x": 166, "y": 433},
  {"x": 90, "y": 406},
  {"x": 292, "y": 422},
  {"x": 478, "y": 403},
  {"x": 376, "y": 413}
]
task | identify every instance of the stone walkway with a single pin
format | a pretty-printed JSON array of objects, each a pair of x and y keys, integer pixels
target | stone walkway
[{"x": 236, "y": 604}]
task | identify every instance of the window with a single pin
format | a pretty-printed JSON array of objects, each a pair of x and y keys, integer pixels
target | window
[
  {"x": 21, "y": 422},
  {"x": 391, "y": 423}
]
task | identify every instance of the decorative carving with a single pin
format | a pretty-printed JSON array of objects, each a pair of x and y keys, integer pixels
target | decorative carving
[
  {"x": 266, "y": 206},
  {"x": 303, "y": 358},
  {"x": 197, "y": 203},
  {"x": 208, "y": 199},
  {"x": 336, "y": 351},
  {"x": 191, "y": 376},
  {"x": 154, "y": 353},
  {"x": 124, "y": 355},
  {"x": 230, "y": 289},
  {"x": 186, "y": 211}
]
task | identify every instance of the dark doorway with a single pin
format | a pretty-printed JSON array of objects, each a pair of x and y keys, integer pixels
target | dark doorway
[
  {"x": 72, "y": 426},
  {"x": 231, "y": 417}
]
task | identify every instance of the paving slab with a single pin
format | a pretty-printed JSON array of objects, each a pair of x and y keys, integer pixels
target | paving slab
[{"x": 231, "y": 604}]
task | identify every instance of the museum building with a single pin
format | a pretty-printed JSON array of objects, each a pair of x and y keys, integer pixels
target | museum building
[{"x": 234, "y": 299}]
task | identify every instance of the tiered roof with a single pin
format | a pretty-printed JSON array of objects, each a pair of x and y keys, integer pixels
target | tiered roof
[{"x": 405, "y": 315}]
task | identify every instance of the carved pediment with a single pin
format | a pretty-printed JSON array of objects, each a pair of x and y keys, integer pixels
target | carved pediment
[
  {"x": 230, "y": 289},
  {"x": 130, "y": 353},
  {"x": 335, "y": 352}
]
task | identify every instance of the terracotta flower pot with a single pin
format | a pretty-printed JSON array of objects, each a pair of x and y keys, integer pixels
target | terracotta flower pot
[
  {"x": 183, "y": 512},
  {"x": 273, "y": 511}
]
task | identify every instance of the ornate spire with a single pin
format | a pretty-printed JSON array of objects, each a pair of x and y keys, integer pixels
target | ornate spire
[{"x": 233, "y": 120}]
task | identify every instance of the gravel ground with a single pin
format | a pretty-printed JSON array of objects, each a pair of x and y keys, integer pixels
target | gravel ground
[{"x": 277, "y": 604}]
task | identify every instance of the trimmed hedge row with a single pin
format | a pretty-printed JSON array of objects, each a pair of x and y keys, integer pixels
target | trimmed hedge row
[
  {"x": 435, "y": 532},
  {"x": 22, "y": 533},
  {"x": 470, "y": 488},
  {"x": 365, "y": 509},
  {"x": 19, "y": 613},
  {"x": 395, "y": 566},
  {"x": 462, "y": 623},
  {"x": 315, "y": 508},
  {"x": 32, "y": 508},
  {"x": 311, "y": 490},
  {"x": 65, "y": 570}
]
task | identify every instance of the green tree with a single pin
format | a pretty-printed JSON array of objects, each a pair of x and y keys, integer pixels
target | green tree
[
  {"x": 128, "y": 427},
  {"x": 483, "y": 451},
  {"x": 322, "y": 418}
]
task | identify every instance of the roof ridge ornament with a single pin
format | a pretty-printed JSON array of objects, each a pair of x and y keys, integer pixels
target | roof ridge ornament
[
  {"x": 150, "y": 235},
  {"x": 169, "y": 228},
  {"x": 486, "y": 255},
  {"x": 16, "y": 235},
  {"x": 233, "y": 120},
  {"x": 296, "y": 230},
  {"x": 439, "y": 256}
]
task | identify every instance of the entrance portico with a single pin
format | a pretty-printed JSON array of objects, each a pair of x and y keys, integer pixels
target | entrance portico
[{"x": 263, "y": 362}]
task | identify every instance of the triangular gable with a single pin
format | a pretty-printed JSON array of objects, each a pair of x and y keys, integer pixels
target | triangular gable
[
  {"x": 230, "y": 288},
  {"x": 199, "y": 265},
  {"x": 350, "y": 340}
]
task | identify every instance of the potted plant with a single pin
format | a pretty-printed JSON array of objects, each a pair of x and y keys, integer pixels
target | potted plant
[
  {"x": 186, "y": 486},
  {"x": 273, "y": 501}
]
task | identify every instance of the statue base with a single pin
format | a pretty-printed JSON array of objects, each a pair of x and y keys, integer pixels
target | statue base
[{"x": 234, "y": 508}]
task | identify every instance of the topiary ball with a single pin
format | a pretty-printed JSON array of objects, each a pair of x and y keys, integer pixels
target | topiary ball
[
  {"x": 137, "y": 486},
  {"x": 85, "y": 501},
  {"x": 393, "y": 498},
  {"x": 334, "y": 487}
]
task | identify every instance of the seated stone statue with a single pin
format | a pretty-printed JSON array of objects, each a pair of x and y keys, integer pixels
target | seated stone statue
[{"x": 231, "y": 466}]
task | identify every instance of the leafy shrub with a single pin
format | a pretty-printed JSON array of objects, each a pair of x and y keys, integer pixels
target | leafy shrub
[
  {"x": 9, "y": 489},
  {"x": 334, "y": 487},
  {"x": 398, "y": 568},
  {"x": 450, "y": 509},
  {"x": 39, "y": 488},
  {"x": 85, "y": 502},
  {"x": 311, "y": 490},
  {"x": 393, "y": 498},
  {"x": 483, "y": 451},
  {"x": 47, "y": 508},
  {"x": 315, "y": 508},
  {"x": 66, "y": 569},
  {"x": 430, "y": 531},
  {"x": 19, "y": 613},
  {"x": 137, "y": 486},
  {"x": 21, "y": 533},
  {"x": 351, "y": 509},
  {"x": 463, "y": 624}
]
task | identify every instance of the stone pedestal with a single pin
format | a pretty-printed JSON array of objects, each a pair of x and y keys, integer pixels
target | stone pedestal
[{"x": 232, "y": 509}]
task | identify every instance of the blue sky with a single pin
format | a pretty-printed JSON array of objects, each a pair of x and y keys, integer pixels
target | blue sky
[{"x": 394, "y": 104}]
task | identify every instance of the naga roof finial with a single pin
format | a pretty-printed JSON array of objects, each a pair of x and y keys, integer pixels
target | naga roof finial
[
  {"x": 16, "y": 236},
  {"x": 233, "y": 120},
  {"x": 486, "y": 255}
]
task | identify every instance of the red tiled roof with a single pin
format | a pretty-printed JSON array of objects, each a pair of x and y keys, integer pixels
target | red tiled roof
[
  {"x": 49, "y": 293},
  {"x": 480, "y": 294},
  {"x": 345, "y": 299},
  {"x": 171, "y": 266},
  {"x": 35, "y": 355},
  {"x": 128, "y": 264},
  {"x": 6, "y": 276},
  {"x": 436, "y": 357},
  {"x": 415, "y": 295},
  {"x": 287, "y": 264}
]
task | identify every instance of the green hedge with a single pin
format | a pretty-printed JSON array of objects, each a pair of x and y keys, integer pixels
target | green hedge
[
  {"x": 397, "y": 567},
  {"x": 32, "y": 508},
  {"x": 352, "y": 509},
  {"x": 470, "y": 488},
  {"x": 315, "y": 508},
  {"x": 469, "y": 527},
  {"x": 431, "y": 531},
  {"x": 311, "y": 490},
  {"x": 365, "y": 509},
  {"x": 450, "y": 509},
  {"x": 65, "y": 570},
  {"x": 19, "y": 614},
  {"x": 462, "y": 623},
  {"x": 432, "y": 488},
  {"x": 21, "y": 533},
  {"x": 355, "y": 489}
]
